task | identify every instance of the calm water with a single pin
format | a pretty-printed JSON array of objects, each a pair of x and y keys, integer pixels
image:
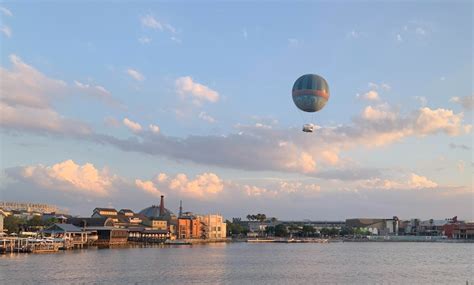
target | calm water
[{"x": 242, "y": 263}]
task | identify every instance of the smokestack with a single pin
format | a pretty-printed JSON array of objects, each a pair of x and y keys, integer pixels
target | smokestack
[
  {"x": 162, "y": 205},
  {"x": 180, "y": 208}
]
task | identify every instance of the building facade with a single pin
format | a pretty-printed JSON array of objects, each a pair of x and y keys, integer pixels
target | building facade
[{"x": 214, "y": 227}]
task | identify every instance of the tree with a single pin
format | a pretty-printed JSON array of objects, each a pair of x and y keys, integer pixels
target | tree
[
  {"x": 270, "y": 230},
  {"x": 281, "y": 230},
  {"x": 13, "y": 224},
  {"x": 34, "y": 223},
  {"x": 308, "y": 230},
  {"x": 345, "y": 231}
]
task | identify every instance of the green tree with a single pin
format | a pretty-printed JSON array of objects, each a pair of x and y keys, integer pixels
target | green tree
[
  {"x": 281, "y": 230},
  {"x": 13, "y": 224},
  {"x": 270, "y": 230},
  {"x": 308, "y": 230},
  {"x": 35, "y": 222}
]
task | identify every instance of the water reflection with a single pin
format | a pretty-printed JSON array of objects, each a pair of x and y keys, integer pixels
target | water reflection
[{"x": 242, "y": 263}]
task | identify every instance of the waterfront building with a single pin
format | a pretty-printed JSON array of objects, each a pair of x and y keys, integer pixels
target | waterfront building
[
  {"x": 463, "y": 231},
  {"x": 72, "y": 235},
  {"x": 106, "y": 236},
  {"x": 189, "y": 226},
  {"x": 375, "y": 226},
  {"x": 157, "y": 224},
  {"x": 431, "y": 227},
  {"x": 214, "y": 226},
  {"x": 105, "y": 212},
  {"x": 160, "y": 213},
  {"x": 84, "y": 222},
  {"x": 3, "y": 215}
]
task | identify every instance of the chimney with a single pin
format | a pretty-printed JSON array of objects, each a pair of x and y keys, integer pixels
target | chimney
[
  {"x": 162, "y": 206},
  {"x": 180, "y": 208}
]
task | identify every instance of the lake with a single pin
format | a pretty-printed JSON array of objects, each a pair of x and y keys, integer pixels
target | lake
[{"x": 245, "y": 263}]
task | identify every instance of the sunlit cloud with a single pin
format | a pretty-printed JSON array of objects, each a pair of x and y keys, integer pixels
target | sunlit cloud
[
  {"x": 198, "y": 92},
  {"x": 133, "y": 126},
  {"x": 135, "y": 74},
  {"x": 66, "y": 176}
]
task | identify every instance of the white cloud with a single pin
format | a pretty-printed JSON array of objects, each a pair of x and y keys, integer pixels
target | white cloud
[
  {"x": 440, "y": 120},
  {"x": 148, "y": 187},
  {"x": 371, "y": 96},
  {"x": 381, "y": 112},
  {"x": 467, "y": 102},
  {"x": 26, "y": 86},
  {"x": 154, "y": 128},
  {"x": 460, "y": 166},
  {"x": 133, "y": 126},
  {"x": 66, "y": 176},
  {"x": 144, "y": 40},
  {"x": 413, "y": 182},
  {"x": 198, "y": 92},
  {"x": 40, "y": 121},
  {"x": 135, "y": 74},
  {"x": 5, "y": 11},
  {"x": 204, "y": 185},
  {"x": 6, "y": 31},
  {"x": 96, "y": 90},
  {"x": 150, "y": 22},
  {"x": 206, "y": 117}
]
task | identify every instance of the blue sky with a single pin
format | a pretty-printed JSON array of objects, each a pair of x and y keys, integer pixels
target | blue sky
[{"x": 98, "y": 99}]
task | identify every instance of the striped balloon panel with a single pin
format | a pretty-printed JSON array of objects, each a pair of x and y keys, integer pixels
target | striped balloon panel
[{"x": 309, "y": 103}]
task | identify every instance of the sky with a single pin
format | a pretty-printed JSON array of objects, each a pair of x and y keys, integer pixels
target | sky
[{"x": 112, "y": 104}]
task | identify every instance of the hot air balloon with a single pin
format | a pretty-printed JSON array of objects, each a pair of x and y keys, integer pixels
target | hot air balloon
[{"x": 310, "y": 94}]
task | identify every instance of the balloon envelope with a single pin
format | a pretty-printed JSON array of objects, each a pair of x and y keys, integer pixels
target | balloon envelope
[{"x": 310, "y": 92}]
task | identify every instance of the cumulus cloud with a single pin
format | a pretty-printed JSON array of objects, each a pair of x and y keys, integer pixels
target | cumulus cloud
[
  {"x": 288, "y": 150},
  {"x": 203, "y": 186},
  {"x": 467, "y": 102},
  {"x": 148, "y": 187},
  {"x": 206, "y": 117},
  {"x": 133, "y": 126},
  {"x": 413, "y": 182},
  {"x": 198, "y": 92},
  {"x": 66, "y": 176},
  {"x": 135, "y": 74},
  {"x": 371, "y": 96}
]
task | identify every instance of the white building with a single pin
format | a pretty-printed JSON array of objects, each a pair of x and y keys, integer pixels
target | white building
[{"x": 214, "y": 226}]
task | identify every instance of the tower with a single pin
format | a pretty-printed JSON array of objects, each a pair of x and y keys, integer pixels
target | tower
[{"x": 180, "y": 208}]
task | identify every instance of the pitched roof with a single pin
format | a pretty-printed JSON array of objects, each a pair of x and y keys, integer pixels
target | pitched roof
[
  {"x": 106, "y": 209},
  {"x": 91, "y": 222},
  {"x": 63, "y": 228}
]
